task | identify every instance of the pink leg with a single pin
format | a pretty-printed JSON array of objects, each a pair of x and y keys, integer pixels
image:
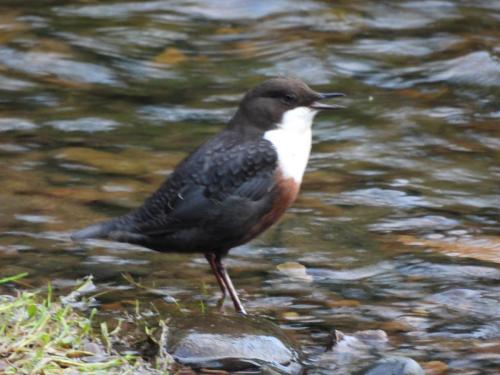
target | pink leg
[
  {"x": 229, "y": 285},
  {"x": 211, "y": 257}
]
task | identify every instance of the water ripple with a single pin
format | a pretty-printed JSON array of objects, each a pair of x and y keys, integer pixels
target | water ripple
[{"x": 40, "y": 64}]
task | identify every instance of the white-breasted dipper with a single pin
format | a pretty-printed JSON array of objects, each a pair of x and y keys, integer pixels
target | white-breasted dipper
[{"x": 232, "y": 187}]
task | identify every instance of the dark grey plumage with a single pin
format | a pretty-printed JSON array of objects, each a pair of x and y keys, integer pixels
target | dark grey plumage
[{"x": 207, "y": 204}]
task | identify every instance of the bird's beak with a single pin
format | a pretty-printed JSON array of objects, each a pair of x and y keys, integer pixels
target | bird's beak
[{"x": 320, "y": 106}]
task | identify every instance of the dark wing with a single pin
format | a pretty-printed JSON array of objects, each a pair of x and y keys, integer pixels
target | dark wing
[{"x": 227, "y": 169}]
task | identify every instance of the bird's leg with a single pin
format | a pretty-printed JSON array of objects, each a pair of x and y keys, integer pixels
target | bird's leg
[
  {"x": 211, "y": 257},
  {"x": 229, "y": 285}
]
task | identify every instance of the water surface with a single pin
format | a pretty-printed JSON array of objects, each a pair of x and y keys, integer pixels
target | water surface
[{"x": 397, "y": 224}]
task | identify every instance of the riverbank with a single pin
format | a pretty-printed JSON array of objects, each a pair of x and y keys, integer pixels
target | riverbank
[{"x": 41, "y": 334}]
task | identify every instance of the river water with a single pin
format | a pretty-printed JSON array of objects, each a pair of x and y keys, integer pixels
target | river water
[{"x": 397, "y": 224}]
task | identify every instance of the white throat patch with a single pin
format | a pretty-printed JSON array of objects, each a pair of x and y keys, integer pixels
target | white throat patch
[{"x": 292, "y": 141}]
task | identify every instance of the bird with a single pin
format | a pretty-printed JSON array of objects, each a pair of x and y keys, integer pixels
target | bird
[{"x": 232, "y": 187}]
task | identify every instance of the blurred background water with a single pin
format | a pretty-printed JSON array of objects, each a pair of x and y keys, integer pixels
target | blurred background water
[{"x": 397, "y": 224}]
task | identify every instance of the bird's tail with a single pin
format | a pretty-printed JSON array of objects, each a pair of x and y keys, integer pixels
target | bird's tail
[{"x": 99, "y": 230}]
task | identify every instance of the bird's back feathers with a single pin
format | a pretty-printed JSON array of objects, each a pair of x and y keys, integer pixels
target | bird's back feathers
[{"x": 213, "y": 195}]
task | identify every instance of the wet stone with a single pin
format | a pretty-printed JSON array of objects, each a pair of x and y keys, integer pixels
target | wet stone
[
  {"x": 349, "y": 353},
  {"x": 435, "y": 368},
  {"x": 395, "y": 366},
  {"x": 232, "y": 343}
]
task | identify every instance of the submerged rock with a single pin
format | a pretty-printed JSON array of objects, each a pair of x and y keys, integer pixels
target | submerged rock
[
  {"x": 232, "y": 343},
  {"x": 353, "y": 353},
  {"x": 350, "y": 353},
  {"x": 395, "y": 366},
  {"x": 348, "y": 348}
]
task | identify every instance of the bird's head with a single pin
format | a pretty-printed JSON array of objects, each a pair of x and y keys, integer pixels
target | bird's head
[{"x": 281, "y": 103}]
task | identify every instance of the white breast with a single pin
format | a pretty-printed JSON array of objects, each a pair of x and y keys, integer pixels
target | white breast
[{"x": 292, "y": 141}]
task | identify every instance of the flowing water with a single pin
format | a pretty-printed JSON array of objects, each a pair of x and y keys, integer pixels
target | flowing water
[{"x": 397, "y": 224}]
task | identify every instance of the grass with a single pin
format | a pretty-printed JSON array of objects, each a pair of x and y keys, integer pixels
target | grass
[{"x": 39, "y": 335}]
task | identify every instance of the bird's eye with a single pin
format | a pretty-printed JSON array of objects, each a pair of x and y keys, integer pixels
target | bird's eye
[{"x": 290, "y": 98}]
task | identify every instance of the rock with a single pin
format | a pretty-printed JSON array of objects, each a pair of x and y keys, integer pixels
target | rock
[
  {"x": 343, "y": 303},
  {"x": 395, "y": 366},
  {"x": 171, "y": 56},
  {"x": 435, "y": 368},
  {"x": 232, "y": 343},
  {"x": 396, "y": 326},
  {"x": 349, "y": 353},
  {"x": 348, "y": 347},
  {"x": 295, "y": 271},
  {"x": 94, "y": 348},
  {"x": 486, "y": 248}
]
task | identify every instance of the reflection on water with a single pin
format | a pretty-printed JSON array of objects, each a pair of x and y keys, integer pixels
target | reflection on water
[{"x": 396, "y": 227}]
